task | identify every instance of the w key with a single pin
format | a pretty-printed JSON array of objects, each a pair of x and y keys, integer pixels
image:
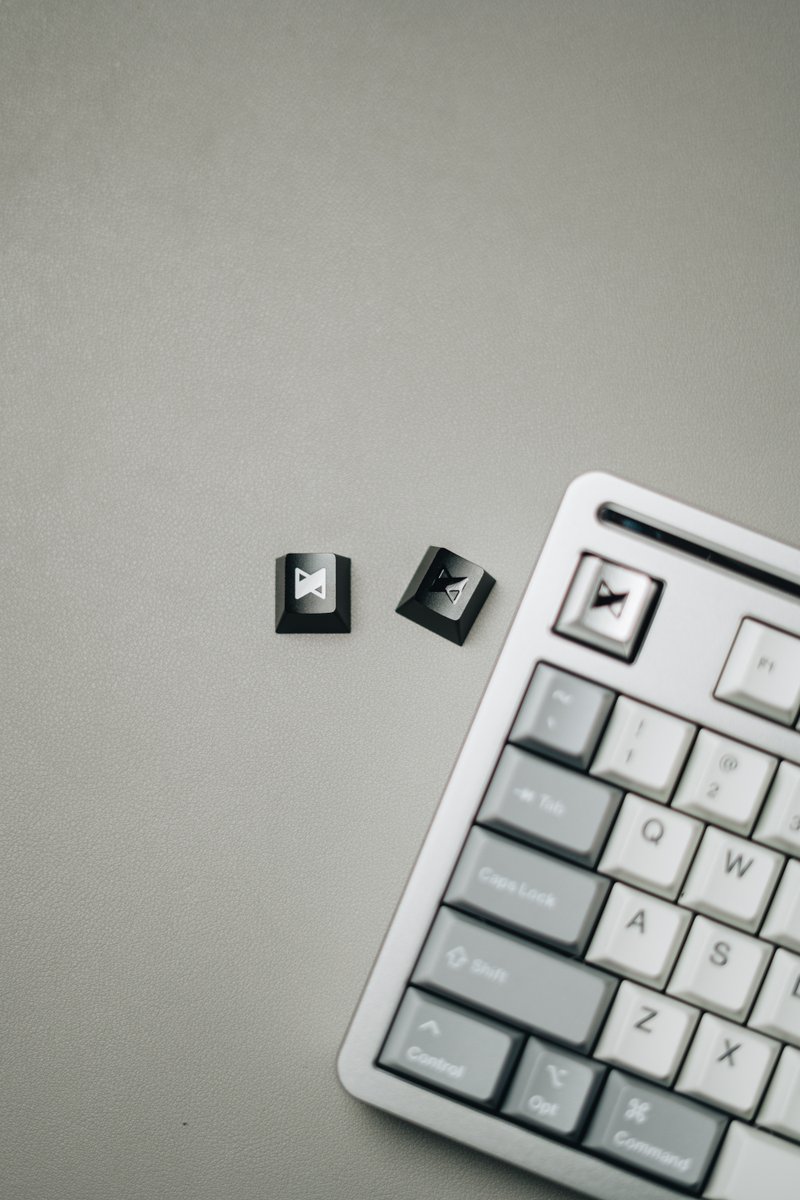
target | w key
[{"x": 732, "y": 879}]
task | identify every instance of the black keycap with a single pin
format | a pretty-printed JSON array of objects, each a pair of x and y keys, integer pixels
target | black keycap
[
  {"x": 445, "y": 594},
  {"x": 312, "y": 593}
]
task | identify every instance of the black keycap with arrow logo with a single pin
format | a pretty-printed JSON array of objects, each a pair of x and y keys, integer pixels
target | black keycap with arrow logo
[{"x": 445, "y": 594}]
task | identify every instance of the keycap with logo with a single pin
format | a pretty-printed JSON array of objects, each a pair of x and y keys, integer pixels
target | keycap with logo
[{"x": 312, "y": 593}]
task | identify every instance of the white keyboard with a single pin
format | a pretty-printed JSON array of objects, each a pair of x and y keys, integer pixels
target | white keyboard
[{"x": 594, "y": 971}]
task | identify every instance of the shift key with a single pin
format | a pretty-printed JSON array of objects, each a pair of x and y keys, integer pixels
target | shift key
[{"x": 531, "y": 987}]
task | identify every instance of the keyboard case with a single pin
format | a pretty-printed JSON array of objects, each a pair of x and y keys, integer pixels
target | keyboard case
[{"x": 714, "y": 574}]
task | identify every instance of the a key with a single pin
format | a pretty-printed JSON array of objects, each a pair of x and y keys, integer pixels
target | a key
[
  {"x": 562, "y": 715},
  {"x": 638, "y": 936},
  {"x": 724, "y": 782},
  {"x": 536, "y": 989},
  {"x": 727, "y": 1066},
  {"x": 781, "y": 1108},
  {"x": 719, "y": 969},
  {"x": 312, "y": 593},
  {"x": 777, "y": 1008},
  {"x": 643, "y": 749},
  {"x": 731, "y": 878},
  {"x": 651, "y": 846},
  {"x": 552, "y": 1089},
  {"x": 762, "y": 673},
  {"x": 445, "y": 594},
  {"x": 452, "y": 1049},
  {"x": 549, "y": 805},
  {"x": 608, "y": 606},
  {"x": 655, "y": 1131},
  {"x": 753, "y": 1164},
  {"x": 646, "y": 1032},
  {"x": 527, "y": 890},
  {"x": 782, "y": 922},
  {"x": 779, "y": 824}
]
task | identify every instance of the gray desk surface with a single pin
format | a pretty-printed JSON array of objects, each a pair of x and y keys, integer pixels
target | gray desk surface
[{"x": 356, "y": 276}]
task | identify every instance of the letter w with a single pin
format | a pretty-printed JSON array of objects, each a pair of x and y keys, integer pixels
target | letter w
[{"x": 736, "y": 863}]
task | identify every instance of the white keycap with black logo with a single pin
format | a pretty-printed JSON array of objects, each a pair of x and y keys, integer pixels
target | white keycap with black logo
[
  {"x": 732, "y": 879},
  {"x": 646, "y": 1032},
  {"x": 607, "y": 606},
  {"x": 719, "y": 969},
  {"x": 727, "y": 1066},
  {"x": 651, "y": 846}
]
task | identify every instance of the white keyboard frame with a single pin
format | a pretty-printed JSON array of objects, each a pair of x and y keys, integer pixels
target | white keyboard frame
[{"x": 676, "y": 669}]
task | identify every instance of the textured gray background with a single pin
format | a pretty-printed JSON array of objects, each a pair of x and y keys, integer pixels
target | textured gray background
[{"x": 356, "y": 276}]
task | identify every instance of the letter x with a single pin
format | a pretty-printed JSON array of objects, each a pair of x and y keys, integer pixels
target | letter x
[{"x": 730, "y": 1050}]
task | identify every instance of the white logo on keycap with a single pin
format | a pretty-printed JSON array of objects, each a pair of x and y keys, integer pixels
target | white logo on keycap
[
  {"x": 638, "y": 1111},
  {"x": 313, "y": 584},
  {"x": 457, "y": 957}
]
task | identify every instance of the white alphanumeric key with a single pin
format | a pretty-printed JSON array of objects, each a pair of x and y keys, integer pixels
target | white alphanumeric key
[
  {"x": 651, "y": 846},
  {"x": 779, "y": 824},
  {"x": 777, "y": 1009},
  {"x": 638, "y": 935},
  {"x": 646, "y": 1032},
  {"x": 719, "y": 969},
  {"x": 782, "y": 923},
  {"x": 727, "y": 1066},
  {"x": 754, "y": 1164},
  {"x": 731, "y": 878},
  {"x": 724, "y": 782},
  {"x": 643, "y": 749},
  {"x": 781, "y": 1108}
]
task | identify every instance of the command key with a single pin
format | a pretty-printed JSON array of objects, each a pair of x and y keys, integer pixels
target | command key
[{"x": 652, "y": 1129}]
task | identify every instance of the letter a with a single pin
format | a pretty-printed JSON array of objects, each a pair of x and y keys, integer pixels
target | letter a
[{"x": 637, "y": 921}]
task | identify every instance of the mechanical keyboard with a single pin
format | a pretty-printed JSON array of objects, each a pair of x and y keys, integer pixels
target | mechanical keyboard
[{"x": 594, "y": 971}]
